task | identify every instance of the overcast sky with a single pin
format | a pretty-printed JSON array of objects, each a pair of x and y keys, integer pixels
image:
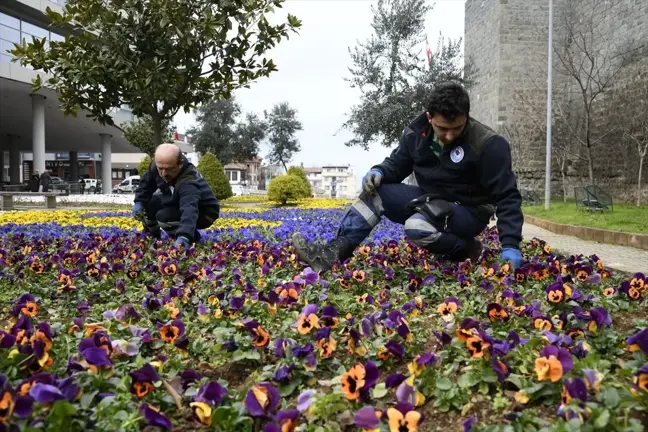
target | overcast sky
[{"x": 312, "y": 67}]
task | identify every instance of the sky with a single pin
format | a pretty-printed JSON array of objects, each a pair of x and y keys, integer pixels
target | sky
[{"x": 312, "y": 66}]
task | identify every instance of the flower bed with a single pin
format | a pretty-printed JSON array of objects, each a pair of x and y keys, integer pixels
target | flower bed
[{"x": 109, "y": 331}]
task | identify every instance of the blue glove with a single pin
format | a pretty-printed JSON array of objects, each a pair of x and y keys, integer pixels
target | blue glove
[
  {"x": 138, "y": 208},
  {"x": 514, "y": 256},
  {"x": 371, "y": 181},
  {"x": 182, "y": 241}
]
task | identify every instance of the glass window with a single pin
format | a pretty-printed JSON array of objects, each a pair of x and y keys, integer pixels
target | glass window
[
  {"x": 9, "y": 34},
  {"x": 5, "y": 46},
  {"x": 5, "y": 58},
  {"x": 9, "y": 21},
  {"x": 114, "y": 174},
  {"x": 56, "y": 37},
  {"x": 29, "y": 30},
  {"x": 234, "y": 175}
]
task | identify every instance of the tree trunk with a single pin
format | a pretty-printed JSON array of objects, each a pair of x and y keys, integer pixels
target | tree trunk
[
  {"x": 564, "y": 185},
  {"x": 157, "y": 129},
  {"x": 590, "y": 163},
  {"x": 641, "y": 159}
]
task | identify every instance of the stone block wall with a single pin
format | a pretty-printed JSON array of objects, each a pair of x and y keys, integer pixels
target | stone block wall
[{"x": 507, "y": 41}]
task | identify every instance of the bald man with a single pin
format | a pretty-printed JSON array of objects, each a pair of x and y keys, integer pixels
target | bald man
[{"x": 175, "y": 197}]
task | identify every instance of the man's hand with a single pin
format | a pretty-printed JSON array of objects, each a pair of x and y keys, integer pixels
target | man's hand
[
  {"x": 182, "y": 241},
  {"x": 371, "y": 181},
  {"x": 138, "y": 209},
  {"x": 514, "y": 256}
]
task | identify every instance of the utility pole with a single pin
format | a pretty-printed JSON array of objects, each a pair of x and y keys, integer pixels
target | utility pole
[{"x": 549, "y": 85}]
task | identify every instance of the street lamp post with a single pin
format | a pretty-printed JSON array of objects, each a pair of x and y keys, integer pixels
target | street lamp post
[{"x": 549, "y": 85}]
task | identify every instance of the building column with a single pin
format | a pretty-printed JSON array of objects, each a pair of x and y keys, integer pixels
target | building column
[
  {"x": 2, "y": 165},
  {"x": 74, "y": 166},
  {"x": 14, "y": 160},
  {"x": 38, "y": 132},
  {"x": 106, "y": 163}
]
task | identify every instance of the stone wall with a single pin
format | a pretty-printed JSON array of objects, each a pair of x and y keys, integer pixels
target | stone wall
[
  {"x": 507, "y": 41},
  {"x": 482, "y": 36}
]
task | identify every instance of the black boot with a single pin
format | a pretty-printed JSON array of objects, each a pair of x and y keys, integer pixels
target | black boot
[
  {"x": 472, "y": 251},
  {"x": 322, "y": 257}
]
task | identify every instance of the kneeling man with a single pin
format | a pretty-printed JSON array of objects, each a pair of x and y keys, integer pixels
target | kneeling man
[
  {"x": 175, "y": 197},
  {"x": 464, "y": 175}
]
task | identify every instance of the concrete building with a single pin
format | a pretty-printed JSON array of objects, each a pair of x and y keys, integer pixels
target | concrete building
[
  {"x": 316, "y": 180},
  {"x": 31, "y": 122},
  {"x": 267, "y": 173},
  {"x": 339, "y": 181},
  {"x": 244, "y": 176},
  {"x": 507, "y": 42}
]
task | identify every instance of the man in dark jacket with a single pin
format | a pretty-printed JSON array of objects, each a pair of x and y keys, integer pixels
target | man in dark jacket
[
  {"x": 464, "y": 175},
  {"x": 174, "y": 196}
]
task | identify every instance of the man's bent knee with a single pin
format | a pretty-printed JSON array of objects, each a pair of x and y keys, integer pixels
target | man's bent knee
[{"x": 420, "y": 231}]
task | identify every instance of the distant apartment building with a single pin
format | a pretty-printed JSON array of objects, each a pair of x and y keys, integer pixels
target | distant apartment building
[
  {"x": 244, "y": 177},
  {"x": 332, "y": 181},
  {"x": 267, "y": 173},
  {"x": 316, "y": 180}
]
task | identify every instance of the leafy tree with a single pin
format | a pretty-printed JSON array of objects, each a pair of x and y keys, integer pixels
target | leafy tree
[
  {"x": 285, "y": 188},
  {"x": 140, "y": 133},
  {"x": 394, "y": 79},
  {"x": 222, "y": 132},
  {"x": 213, "y": 172},
  {"x": 157, "y": 56},
  {"x": 281, "y": 125},
  {"x": 144, "y": 165},
  {"x": 305, "y": 189}
]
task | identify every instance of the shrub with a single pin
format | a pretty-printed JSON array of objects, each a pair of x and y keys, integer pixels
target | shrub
[
  {"x": 285, "y": 188},
  {"x": 213, "y": 172},
  {"x": 144, "y": 165},
  {"x": 306, "y": 189}
]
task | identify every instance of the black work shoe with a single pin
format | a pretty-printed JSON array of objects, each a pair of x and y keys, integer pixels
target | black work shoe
[
  {"x": 472, "y": 251},
  {"x": 321, "y": 257}
]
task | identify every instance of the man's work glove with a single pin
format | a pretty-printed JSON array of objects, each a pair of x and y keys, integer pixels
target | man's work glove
[
  {"x": 182, "y": 241},
  {"x": 138, "y": 209},
  {"x": 514, "y": 256},
  {"x": 371, "y": 181}
]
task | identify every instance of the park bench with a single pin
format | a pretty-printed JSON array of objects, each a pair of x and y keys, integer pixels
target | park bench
[
  {"x": 593, "y": 199},
  {"x": 529, "y": 197},
  {"x": 50, "y": 198}
]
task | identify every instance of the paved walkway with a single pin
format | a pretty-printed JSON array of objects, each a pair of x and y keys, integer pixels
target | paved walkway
[{"x": 618, "y": 257}]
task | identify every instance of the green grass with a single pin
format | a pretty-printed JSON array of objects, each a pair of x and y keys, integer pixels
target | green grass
[{"x": 624, "y": 217}]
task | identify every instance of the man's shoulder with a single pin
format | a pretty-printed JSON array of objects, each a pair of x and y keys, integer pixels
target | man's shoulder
[{"x": 478, "y": 134}]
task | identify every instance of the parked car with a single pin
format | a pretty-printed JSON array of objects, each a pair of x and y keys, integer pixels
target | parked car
[
  {"x": 92, "y": 185},
  {"x": 59, "y": 185},
  {"x": 128, "y": 185}
]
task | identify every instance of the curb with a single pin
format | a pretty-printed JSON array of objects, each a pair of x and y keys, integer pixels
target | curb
[{"x": 637, "y": 241}]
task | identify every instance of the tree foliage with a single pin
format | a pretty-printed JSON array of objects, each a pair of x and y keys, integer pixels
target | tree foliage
[
  {"x": 281, "y": 126},
  {"x": 144, "y": 165},
  {"x": 140, "y": 133},
  {"x": 221, "y": 130},
  {"x": 212, "y": 170},
  {"x": 157, "y": 56},
  {"x": 306, "y": 190},
  {"x": 394, "y": 78},
  {"x": 285, "y": 188}
]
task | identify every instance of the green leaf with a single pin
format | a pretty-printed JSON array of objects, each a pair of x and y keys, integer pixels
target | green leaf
[
  {"x": 444, "y": 384},
  {"x": 379, "y": 391},
  {"x": 602, "y": 420},
  {"x": 610, "y": 397},
  {"x": 464, "y": 380}
]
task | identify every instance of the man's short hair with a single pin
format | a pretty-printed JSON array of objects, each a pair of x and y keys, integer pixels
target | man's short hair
[{"x": 450, "y": 100}]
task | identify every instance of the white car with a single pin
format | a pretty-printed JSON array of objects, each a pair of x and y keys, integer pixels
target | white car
[
  {"x": 92, "y": 185},
  {"x": 129, "y": 185}
]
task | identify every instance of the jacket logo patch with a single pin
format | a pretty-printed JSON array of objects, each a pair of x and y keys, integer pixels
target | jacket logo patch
[{"x": 457, "y": 154}]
